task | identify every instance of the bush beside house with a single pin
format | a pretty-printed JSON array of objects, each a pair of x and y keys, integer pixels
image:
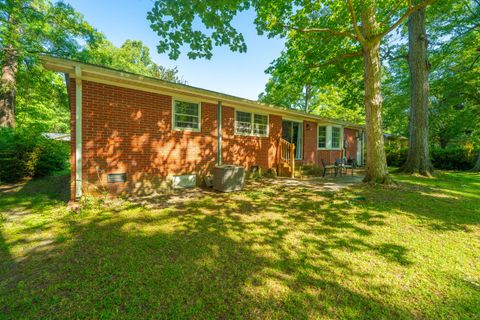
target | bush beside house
[
  {"x": 27, "y": 154},
  {"x": 454, "y": 158}
]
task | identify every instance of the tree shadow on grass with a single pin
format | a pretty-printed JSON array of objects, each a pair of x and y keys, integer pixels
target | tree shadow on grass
[
  {"x": 443, "y": 204},
  {"x": 221, "y": 257},
  {"x": 262, "y": 253}
]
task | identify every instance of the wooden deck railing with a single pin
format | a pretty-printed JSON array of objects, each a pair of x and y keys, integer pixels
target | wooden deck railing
[{"x": 287, "y": 154}]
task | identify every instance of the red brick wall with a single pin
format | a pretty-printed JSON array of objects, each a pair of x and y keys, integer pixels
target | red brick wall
[
  {"x": 126, "y": 130},
  {"x": 249, "y": 150},
  {"x": 329, "y": 156},
  {"x": 309, "y": 142},
  {"x": 130, "y": 131}
]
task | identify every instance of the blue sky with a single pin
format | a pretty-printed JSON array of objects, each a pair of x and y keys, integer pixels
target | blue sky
[{"x": 239, "y": 74}]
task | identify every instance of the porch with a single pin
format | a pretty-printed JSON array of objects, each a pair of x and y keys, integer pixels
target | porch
[{"x": 305, "y": 143}]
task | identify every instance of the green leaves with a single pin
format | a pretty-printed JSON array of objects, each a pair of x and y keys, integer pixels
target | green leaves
[
  {"x": 452, "y": 30},
  {"x": 133, "y": 56},
  {"x": 175, "y": 24}
]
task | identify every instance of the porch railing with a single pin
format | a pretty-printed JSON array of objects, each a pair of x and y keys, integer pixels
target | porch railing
[{"x": 287, "y": 154}]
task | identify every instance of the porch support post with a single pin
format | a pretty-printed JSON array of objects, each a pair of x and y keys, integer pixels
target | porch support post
[
  {"x": 78, "y": 132},
  {"x": 292, "y": 159},
  {"x": 219, "y": 133}
]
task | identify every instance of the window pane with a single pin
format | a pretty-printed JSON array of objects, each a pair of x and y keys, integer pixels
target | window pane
[
  {"x": 260, "y": 124},
  {"x": 186, "y": 115},
  {"x": 260, "y": 119},
  {"x": 243, "y": 123},
  {"x": 336, "y": 137},
  {"x": 189, "y": 108},
  {"x": 244, "y": 116},
  {"x": 322, "y": 137},
  {"x": 184, "y": 121}
]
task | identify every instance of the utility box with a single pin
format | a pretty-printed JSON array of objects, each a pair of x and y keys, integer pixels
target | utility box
[
  {"x": 184, "y": 181},
  {"x": 228, "y": 178}
]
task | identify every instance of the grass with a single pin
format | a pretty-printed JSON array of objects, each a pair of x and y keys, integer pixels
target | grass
[{"x": 409, "y": 251}]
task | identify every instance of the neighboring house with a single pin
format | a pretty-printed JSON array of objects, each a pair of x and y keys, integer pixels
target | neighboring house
[
  {"x": 144, "y": 131},
  {"x": 395, "y": 141},
  {"x": 56, "y": 136}
]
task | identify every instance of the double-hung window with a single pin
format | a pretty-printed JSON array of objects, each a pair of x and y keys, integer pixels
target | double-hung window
[
  {"x": 329, "y": 137},
  {"x": 322, "y": 137},
  {"x": 260, "y": 124},
  {"x": 336, "y": 138},
  {"x": 252, "y": 124},
  {"x": 243, "y": 123},
  {"x": 186, "y": 115}
]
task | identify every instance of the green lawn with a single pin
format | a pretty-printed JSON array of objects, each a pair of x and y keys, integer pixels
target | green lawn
[{"x": 409, "y": 251}]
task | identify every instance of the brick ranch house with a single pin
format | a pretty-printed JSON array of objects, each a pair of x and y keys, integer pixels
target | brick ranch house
[{"x": 146, "y": 131}]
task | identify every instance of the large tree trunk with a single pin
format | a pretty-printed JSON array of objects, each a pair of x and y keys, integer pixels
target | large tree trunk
[
  {"x": 8, "y": 88},
  {"x": 418, "y": 159},
  {"x": 8, "y": 80},
  {"x": 376, "y": 165},
  {"x": 476, "y": 168}
]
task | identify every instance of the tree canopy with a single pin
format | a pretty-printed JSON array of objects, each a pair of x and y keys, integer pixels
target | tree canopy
[
  {"x": 37, "y": 97},
  {"x": 317, "y": 35}
]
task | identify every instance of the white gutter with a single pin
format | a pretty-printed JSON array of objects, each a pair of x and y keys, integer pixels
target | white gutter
[
  {"x": 219, "y": 128},
  {"x": 78, "y": 132}
]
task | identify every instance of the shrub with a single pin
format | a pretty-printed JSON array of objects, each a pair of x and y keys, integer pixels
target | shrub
[
  {"x": 396, "y": 156},
  {"x": 456, "y": 158},
  {"x": 26, "y": 153},
  {"x": 453, "y": 158},
  {"x": 309, "y": 170}
]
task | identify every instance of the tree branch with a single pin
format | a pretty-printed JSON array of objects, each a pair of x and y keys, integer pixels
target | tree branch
[
  {"x": 474, "y": 61},
  {"x": 337, "y": 59},
  {"x": 359, "y": 35},
  {"x": 323, "y": 30},
  {"x": 411, "y": 9}
]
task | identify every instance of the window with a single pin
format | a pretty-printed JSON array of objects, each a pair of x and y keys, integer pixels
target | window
[
  {"x": 329, "y": 137},
  {"x": 260, "y": 124},
  {"x": 247, "y": 123},
  {"x": 186, "y": 115},
  {"x": 322, "y": 137},
  {"x": 243, "y": 123},
  {"x": 336, "y": 137}
]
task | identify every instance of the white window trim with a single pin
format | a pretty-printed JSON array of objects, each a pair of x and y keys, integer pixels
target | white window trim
[
  {"x": 253, "y": 113},
  {"x": 198, "y": 103},
  {"x": 328, "y": 144},
  {"x": 326, "y": 137}
]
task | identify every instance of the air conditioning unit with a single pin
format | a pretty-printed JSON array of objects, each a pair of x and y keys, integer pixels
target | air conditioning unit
[{"x": 228, "y": 178}]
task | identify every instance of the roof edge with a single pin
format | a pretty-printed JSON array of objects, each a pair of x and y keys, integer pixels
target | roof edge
[{"x": 68, "y": 66}]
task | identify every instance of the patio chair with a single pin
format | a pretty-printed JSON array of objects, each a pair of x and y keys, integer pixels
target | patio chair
[
  {"x": 343, "y": 165},
  {"x": 330, "y": 167}
]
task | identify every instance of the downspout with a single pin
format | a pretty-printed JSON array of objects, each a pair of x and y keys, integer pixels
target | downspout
[
  {"x": 219, "y": 133},
  {"x": 78, "y": 132}
]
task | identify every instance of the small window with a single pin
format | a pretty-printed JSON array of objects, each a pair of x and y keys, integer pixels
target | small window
[
  {"x": 243, "y": 124},
  {"x": 186, "y": 115},
  {"x": 329, "y": 137},
  {"x": 322, "y": 137},
  {"x": 247, "y": 123},
  {"x": 336, "y": 137},
  {"x": 260, "y": 124}
]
